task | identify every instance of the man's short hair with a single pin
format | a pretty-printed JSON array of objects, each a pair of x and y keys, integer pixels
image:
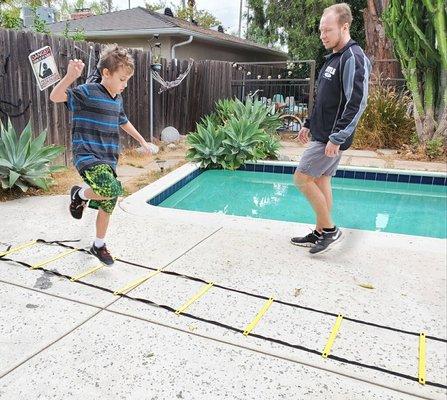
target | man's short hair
[
  {"x": 343, "y": 12},
  {"x": 113, "y": 57}
]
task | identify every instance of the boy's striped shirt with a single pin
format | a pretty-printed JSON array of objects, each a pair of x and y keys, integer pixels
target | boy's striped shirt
[{"x": 95, "y": 125}]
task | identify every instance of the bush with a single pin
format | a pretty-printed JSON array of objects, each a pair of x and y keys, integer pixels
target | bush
[
  {"x": 25, "y": 161},
  {"x": 206, "y": 143},
  {"x": 435, "y": 148},
  {"x": 386, "y": 122},
  {"x": 234, "y": 134}
]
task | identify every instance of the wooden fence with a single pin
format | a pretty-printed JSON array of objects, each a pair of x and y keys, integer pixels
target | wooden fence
[
  {"x": 208, "y": 81},
  {"x": 22, "y": 101}
]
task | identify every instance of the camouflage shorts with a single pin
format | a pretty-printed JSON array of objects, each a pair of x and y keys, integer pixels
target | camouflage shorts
[{"x": 103, "y": 182}]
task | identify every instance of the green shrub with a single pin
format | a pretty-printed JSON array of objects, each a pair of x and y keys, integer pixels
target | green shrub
[
  {"x": 386, "y": 122},
  {"x": 435, "y": 148},
  {"x": 242, "y": 138},
  {"x": 254, "y": 111},
  {"x": 25, "y": 161},
  {"x": 206, "y": 143},
  {"x": 234, "y": 134},
  {"x": 269, "y": 148}
]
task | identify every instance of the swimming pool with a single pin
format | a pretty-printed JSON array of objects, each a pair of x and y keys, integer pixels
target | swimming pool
[{"x": 398, "y": 203}]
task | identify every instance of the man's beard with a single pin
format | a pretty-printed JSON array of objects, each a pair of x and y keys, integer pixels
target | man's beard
[{"x": 338, "y": 41}]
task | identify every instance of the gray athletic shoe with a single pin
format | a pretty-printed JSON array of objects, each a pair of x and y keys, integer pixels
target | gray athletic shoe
[
  {"x": 308, "y": 240},
  {"x": 328, "y": 239}
]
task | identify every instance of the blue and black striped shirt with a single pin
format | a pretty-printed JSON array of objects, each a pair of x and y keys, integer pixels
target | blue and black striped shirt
[{"x": 96, "y": 120}]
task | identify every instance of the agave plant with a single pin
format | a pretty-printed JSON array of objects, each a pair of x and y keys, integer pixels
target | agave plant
[
  {"x": 206, "y": 144},
  {"x": 234, "y": 134},
  {"x": 255, "y": 111},
  {"x": 242, "y": 139},
  {"x": 25, "y": 161},
  {"x": 227, "y": 108},
  {"x": 269, "y": 148},
  {"x": 259, "y": 113}
]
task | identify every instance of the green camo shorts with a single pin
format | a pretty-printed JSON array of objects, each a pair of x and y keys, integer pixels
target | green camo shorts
[{"x": 103, "y": 182}]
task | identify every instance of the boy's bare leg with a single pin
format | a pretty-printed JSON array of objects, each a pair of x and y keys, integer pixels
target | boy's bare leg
[
  {"x": 91, "y": 195},
  {"x": 102, "y": 223},
  {"x": 99, "y": 248}
]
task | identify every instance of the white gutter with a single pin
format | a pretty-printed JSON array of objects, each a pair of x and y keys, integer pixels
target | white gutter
[{"x": 179, "y": 45}]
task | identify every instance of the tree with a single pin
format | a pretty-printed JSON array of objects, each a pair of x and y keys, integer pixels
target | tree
[
  {"x": 155, "y": 6},
  {"x": 202, "y": 17},
  {"x": 10, "y": 14},
  {"x": 188, "y": 13},
  {"x": 293, "y": 23},
  {"x": 101, "y": 7},
  {"x": 378, "y": 44},
  {"x": 357, "y": 30},
  {"x": 10, "y": 18},
  {"x": 78, "y": 35},
  {"x": 107, "y": 5},
  {"x": 419, "y": 35},
  {"x": 39, "y": 25}
]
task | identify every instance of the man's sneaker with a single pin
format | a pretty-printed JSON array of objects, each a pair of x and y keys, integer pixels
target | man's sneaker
[
  {"x": 102, "y": 253},
  {"x": 308, "y": 240},
  {"x": 328, "y": 239},
  {"x": 77, "y": 205}
]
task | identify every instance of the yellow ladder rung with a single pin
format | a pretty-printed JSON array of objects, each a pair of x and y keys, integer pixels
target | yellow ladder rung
[
  {"x": 18, "y": 248},
  {"x": 56, "y": 257},
  {"x": 422, "y": 350},
  {"x": 196, "y": 297},
  {"x": 332, "y": 336},
  {"x": 85, "y": 273},
  {"x": 260, "y": 314},
  {"x": 135, "y": 283}
]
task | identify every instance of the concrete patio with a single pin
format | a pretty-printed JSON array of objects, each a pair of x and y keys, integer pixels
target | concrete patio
[{"x": 66, "y": 340}]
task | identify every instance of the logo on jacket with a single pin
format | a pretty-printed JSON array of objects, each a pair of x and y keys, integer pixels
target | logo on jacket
[{"x": 329, "y": 72}]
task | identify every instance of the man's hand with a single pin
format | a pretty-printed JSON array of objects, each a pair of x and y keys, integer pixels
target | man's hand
[
  {"x": 304, "y": 135},
  {"x": 332, "y": 149},
  {"x": 150, "y": 148},
  {"x": 75, "y": 68}
]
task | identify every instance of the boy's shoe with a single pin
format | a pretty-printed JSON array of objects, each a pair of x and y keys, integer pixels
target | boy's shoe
[
  {"x": 77, "y": 205},
  {"x": 102, "y": 253},
  {"x": 327, "y": 239},
  {"x": 308, "y": 240}
]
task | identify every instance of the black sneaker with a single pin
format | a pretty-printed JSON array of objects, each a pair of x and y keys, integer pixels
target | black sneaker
[
  {"x": 308, "y": 240},
  {"x": 102, "y": 253},
  {"x": 328, "y": 239},
  {"x": 77, "y": 205}
]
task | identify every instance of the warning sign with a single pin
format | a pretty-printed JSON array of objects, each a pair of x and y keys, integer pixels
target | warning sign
[{"x": 44, "y": 67}]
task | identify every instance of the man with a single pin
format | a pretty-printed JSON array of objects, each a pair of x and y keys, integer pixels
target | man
[{"x": 342, "y": 90}]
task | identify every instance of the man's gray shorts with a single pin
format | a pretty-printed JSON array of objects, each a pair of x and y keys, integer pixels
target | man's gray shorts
[{"x": 315, "y": 163}]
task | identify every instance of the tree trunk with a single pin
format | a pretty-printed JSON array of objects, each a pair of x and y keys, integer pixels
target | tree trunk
[{"x": 378, "y": 47}]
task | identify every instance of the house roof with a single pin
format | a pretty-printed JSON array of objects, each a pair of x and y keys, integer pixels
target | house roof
[{"x": 141, "y": 22}]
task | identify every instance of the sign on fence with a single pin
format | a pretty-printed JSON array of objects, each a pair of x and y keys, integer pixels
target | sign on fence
[{"x": 44, "y": 67}]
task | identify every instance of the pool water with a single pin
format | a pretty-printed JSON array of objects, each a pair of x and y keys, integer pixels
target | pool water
[{"x": 413, "y": 209}]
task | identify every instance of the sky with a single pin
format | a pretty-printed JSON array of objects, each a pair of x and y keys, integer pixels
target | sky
[{"x": 227, "y": 11}]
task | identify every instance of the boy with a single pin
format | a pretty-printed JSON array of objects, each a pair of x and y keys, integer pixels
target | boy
[{"x": 97, "y": 116}]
